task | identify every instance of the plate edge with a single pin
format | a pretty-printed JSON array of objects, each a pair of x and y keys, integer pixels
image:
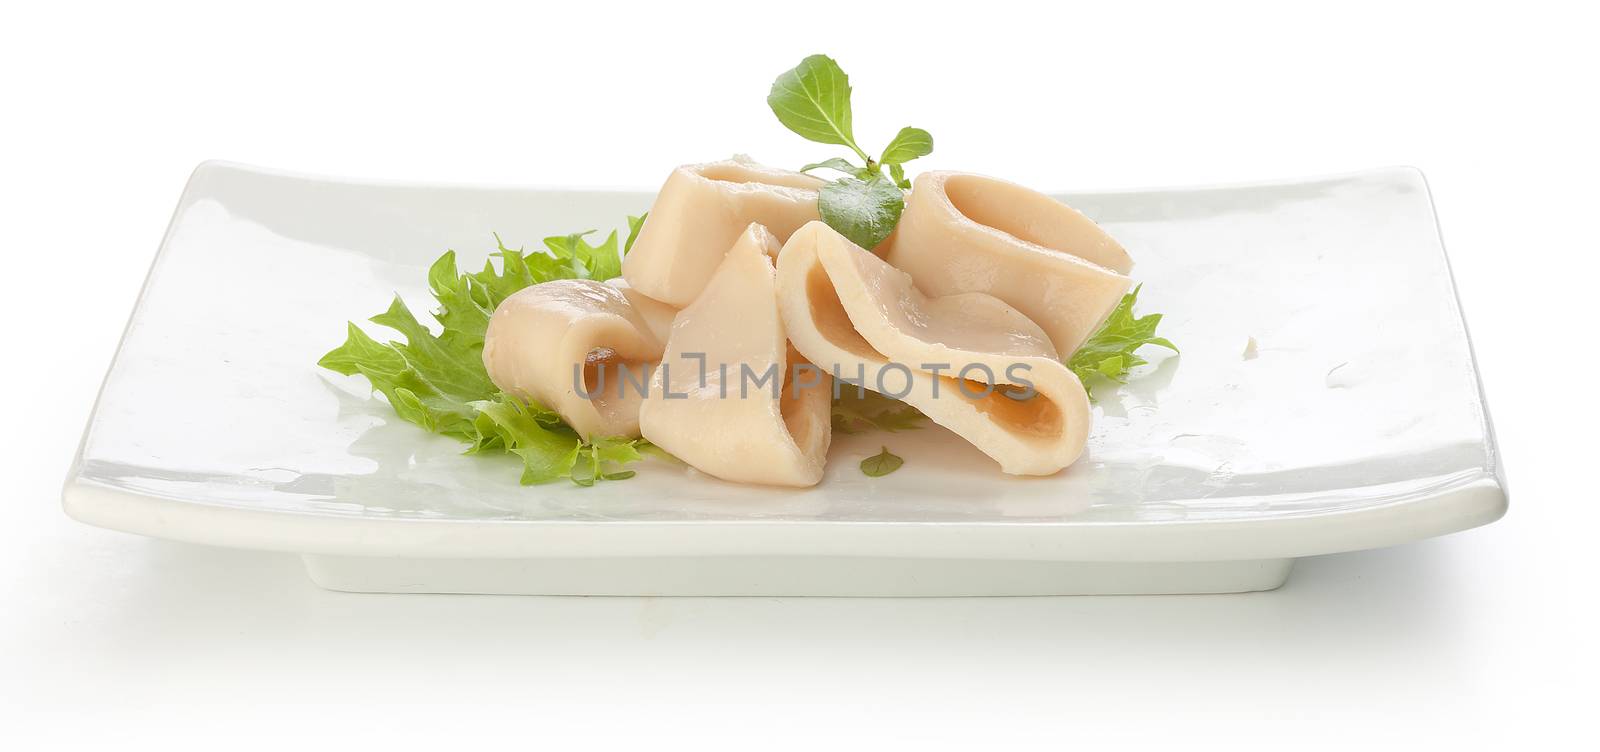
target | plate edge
[{"x": 1470, "y": 504}]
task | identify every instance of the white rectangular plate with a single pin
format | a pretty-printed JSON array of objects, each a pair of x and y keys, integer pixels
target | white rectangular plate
[{"x": 1354, "y": 420}]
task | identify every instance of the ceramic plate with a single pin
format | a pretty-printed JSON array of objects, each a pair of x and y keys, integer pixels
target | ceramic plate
[{"x": 1326, "y": 400}]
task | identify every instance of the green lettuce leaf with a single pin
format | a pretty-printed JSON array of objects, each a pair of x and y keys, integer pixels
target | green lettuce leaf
[
  {"x": 438, "y": 381},
  {"x": 402, "y": 383},
  {"x": 635, "y": 224},
  {"x": 548, "y": 450},
  {"x": 855, "y": 411},
  {"x": 1109, "y": 352},
  {"x": 865, "y": 211},
  {"x": 602, "y": 455}
]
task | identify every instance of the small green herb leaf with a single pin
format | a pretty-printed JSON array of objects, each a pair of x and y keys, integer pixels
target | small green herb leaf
[
  {"x": 899, "y": 174},
  {"x": 865, "y": 211},
  {"x": 838, "y": 164},
  {"x": 881, "y": 464},
  {"x": 813, "y": 100},
  {"x": 907, "y": 145},
  {"x": 1109, "y": 352}
]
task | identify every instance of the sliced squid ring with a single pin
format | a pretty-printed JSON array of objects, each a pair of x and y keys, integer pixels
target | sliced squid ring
[
  {"x": 851, "y": 313},
  {"x": 701, "y": 211},
  {"x": 657, "y": 316},
  {"x": 970, "y": 233},
  {"x": 735, "y": 414},
  {"x": 577, "y": 347}
]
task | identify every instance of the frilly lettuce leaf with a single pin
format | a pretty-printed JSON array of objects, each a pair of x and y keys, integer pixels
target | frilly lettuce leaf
[
  {"x": 857, "y": 410},
  {"x": 1109, "y": 352},
  {"x": 438, "y": 381}
]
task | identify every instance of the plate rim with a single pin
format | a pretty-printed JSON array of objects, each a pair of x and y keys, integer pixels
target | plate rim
[{"x": 1473, "y": 503}]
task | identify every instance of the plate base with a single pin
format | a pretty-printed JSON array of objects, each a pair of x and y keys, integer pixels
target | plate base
[{"x": 773, "y": 576}]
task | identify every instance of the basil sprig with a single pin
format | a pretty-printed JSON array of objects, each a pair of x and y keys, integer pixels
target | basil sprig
[{"x": 813, "y": 100}]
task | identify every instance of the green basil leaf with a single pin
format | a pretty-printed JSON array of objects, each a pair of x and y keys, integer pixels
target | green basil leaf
[
  {"x": 813, "y": 100},
  {"x": 899, "y": 174},
  {"x": 881, "y": 464},
  {"x": 865, "y": 211},
  {"x": 907, "y": 145},
  {"x": 838, "y": 164}
]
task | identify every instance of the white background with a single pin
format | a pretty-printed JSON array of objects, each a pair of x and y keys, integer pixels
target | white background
[{"x": 1479, "y": 639}]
